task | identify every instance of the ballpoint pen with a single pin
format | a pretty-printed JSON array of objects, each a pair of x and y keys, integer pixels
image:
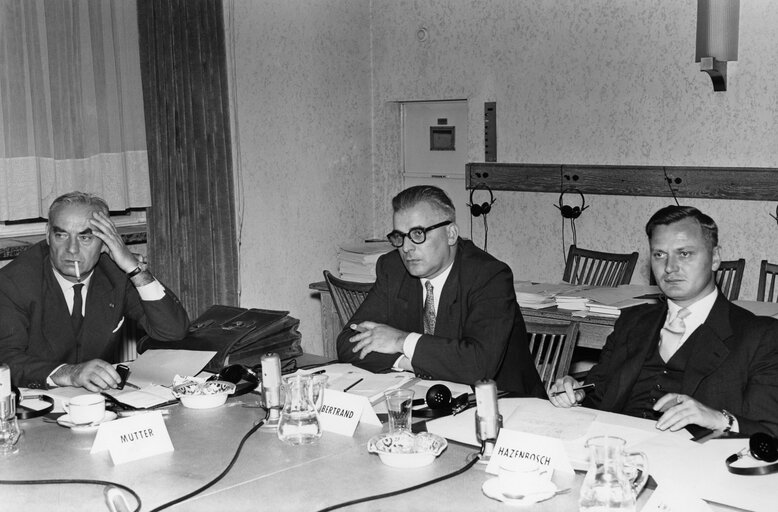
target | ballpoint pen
[{"x": 352, "y": 385}]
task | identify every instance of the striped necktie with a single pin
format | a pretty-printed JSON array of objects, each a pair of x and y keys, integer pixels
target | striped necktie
[{"x": 429, "y": 310}]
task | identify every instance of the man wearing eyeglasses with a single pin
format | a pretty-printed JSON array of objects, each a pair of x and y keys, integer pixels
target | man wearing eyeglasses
[
  {"x": 441, "y": 307},
  {"x": 64, "y": 300}
]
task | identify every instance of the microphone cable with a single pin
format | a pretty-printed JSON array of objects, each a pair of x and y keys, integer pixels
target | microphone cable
[
  {"x": 476, "y": 457},
  {"x": 220, "y": 475},
  {"x": 670, "y": 186},
  {"x": 133, "y": 493},
  {"x": 104, "y": 483}
]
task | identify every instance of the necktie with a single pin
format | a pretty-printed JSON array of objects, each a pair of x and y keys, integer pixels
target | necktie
[
  {"x": 76, "y": 316},
  {"x": 671, "y": 335},
  {"x": 429, "y": 310}
]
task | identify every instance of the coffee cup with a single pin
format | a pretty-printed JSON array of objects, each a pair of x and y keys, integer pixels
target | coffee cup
[
  {"x": 85, "y": 409},
  {"x": 522, "y": 477}
]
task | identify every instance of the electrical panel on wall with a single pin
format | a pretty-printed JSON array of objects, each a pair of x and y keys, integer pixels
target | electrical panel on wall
[
  {"x": 434, "y": 141},
  {"x": 490, "y": 131}
]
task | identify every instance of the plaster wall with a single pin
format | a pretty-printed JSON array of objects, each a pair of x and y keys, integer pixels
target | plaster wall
[
  {"x": 300, "y": 82},
  {"x": 596, "y": 82}
]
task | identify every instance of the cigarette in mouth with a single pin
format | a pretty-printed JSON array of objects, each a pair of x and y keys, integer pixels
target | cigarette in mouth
[{"x": 78, "y": 272}]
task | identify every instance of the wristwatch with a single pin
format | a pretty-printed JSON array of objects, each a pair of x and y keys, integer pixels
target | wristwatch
[
  {"x": 730, "y": 420},
  {"x": 134, "y": 272}
]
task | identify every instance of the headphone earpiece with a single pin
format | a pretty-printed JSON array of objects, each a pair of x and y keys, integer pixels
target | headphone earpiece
[
  {"x": 761, "y": 446},
  {"x": 571, "y": 212},
  {"x": 477, "y": 210}
]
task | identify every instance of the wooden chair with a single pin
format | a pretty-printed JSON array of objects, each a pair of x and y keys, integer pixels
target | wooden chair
[
  {"x": 551, "y": 347},
  {"x": 728, "y": 277},
  {"x": 767, "y": 271},
  {"x": 599, "y": 268},
  {"x": 346, "y": 295}
]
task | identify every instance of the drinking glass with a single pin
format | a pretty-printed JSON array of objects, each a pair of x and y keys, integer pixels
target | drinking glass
[
  {"x": 9, "y": 436},
  {"x": 398, "y": 406},
  {"x": 318, "y": 385}
]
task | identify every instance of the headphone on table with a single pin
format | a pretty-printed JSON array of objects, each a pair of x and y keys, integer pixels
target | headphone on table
[
  {"x": 25, "y": 413},
  {"x": 761, "y": 446},
  {"x": 483, "y": 208},
  {"x": 571, "y": 212}
]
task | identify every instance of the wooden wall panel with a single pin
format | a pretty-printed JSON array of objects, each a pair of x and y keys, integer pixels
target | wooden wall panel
[{"x": 749, "y": 183}]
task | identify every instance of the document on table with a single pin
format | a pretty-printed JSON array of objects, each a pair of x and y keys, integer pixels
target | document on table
[{"x": 160, "y": 366}]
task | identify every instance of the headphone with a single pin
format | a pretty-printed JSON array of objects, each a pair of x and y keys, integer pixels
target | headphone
[
  {"x": 25, "y": 413},
  {"x": 761, "y": 446},
  {"x": 483, "y": 208},
  {"x": 571, "y": 212}
]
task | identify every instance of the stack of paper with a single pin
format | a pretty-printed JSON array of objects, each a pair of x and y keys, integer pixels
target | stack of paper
[
  {"x": 356, "y": 262},
  {"x": 571, "y": 303},
  {"x": 534, "y": 300}
]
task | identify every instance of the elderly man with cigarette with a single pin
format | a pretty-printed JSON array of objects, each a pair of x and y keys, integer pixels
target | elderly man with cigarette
[{"x": 64, "y": 300}]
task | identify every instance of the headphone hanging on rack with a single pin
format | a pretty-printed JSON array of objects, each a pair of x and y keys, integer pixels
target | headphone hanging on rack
[
  {"x": 477, "y": 210},
  {"x": 571, "y": 212}
]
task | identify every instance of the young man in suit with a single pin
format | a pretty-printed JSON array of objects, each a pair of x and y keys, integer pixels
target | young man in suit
[
  {"x": 696, "y": 359},
  {"x": 441, "y": 307},
  {"x": 64, "y": 300}
]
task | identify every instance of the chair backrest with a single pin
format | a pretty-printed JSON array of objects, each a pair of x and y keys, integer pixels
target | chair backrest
[
  {"x": 346, "y": 295},
  {"x": 598, "y": 268},
  {"x": 728, "y": 277},
  {"x": 551, "y": 347},
  {"x": 768, "y": 273}
]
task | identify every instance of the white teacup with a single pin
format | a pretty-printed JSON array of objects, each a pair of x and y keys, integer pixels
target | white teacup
[
  {"x": 85, "y": 409},
  {"x": 520, "y": 477}
]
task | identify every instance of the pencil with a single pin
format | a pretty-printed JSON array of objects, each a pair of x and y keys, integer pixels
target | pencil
[
  {"x": 580, "y": 388},
  {"x": 352, "y": 385}
]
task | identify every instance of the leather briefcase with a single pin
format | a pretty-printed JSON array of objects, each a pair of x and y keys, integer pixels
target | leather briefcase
[{"x": 238, "y": 335}]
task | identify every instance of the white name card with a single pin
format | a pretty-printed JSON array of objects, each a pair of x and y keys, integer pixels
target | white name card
[
  {"x": 549, "y": 452},
  {"x": 341, "y": 412},
  {"x": 133, "y": 438}
]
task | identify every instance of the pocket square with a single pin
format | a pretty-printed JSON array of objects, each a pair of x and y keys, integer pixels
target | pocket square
[{"x": 121, "y": 322}]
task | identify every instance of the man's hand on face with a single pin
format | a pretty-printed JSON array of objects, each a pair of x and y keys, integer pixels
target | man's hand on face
[
  {"x": 104, "y": 228},
  {"x": 682, "y": 410},
  {"x": 95, "y": 375},
  {"x": 375, "y": 337}
]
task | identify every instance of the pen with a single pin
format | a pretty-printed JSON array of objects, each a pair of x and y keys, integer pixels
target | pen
[
  {"x": 584, "y": 388},
  {"x": 130, "y": 384},
  {"x": 317, "y": 372},
  {"x": 352, "y": 385}
]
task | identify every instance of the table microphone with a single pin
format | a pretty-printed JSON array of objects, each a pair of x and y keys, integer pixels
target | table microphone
[
  {"x": 271, "y": 389},
  {"x": 488, "y": 420},
  {"x": 7, "y": 396}
]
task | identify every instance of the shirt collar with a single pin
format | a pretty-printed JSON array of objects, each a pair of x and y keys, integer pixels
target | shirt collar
[
  {"x": 68, "y": 285},
  {"x": 439, "y": 280}
]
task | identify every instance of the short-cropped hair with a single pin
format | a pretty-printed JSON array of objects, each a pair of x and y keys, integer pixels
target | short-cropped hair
[
  {"x": 672, "y": 214},
  {"x": 429, "y": 194},
  {"x": 96, "y": 202}
]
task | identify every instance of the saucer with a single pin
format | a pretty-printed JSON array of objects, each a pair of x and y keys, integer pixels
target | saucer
[
  {"x": 64, "y": 421},
  {"x": 491, "y": 489}
]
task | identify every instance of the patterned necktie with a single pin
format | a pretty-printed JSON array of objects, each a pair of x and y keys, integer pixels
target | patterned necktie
[
  {"x": 77, "y": 316},
  {"x": 671, "y": 335},
  {"x": 429, "y": 310}
]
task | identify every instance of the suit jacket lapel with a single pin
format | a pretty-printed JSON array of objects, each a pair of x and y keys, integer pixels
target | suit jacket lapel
[
  {"x": 409, "y": 299},
  {"x": 55, "y": 312},
  {"x": 643, "y": 336},
  {"x": 447, "y": 314},
  {"x": 99, "y": 305},
  {"x": 709, "y": 347}
]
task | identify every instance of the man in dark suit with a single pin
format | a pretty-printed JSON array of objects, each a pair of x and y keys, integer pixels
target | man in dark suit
[
  {"x": 441, "y": 307},
  {"x": 696, "y": 359},
  {"x": 64, "y": 300}
]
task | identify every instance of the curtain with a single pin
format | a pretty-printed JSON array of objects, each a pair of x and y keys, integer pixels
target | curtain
[
  {"x": 71, "y": 105},
  {"x": 192, "y": 228}
]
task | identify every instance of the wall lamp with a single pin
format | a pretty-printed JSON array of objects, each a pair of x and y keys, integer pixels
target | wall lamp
[{"x": 717, "y": 37}]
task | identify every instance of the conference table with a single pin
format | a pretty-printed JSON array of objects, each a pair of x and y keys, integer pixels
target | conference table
[{"x": 268, "y": 474}]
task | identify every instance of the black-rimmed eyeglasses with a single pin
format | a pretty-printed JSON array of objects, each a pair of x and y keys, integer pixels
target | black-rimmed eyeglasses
[{"x": 418, "y": 235}]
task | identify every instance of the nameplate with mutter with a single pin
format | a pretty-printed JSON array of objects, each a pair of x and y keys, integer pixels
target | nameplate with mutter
[
  {"x": 546, "y": 451},
  {"x": 342, "y": 412},
  {"x": 133, "y": 438}
]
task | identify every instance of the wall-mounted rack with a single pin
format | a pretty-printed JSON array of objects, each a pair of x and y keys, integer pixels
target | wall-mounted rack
[{"x": 749, "y": 183}]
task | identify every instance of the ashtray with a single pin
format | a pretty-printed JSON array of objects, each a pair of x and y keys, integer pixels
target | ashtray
[
  {"x": 203, "y": 395},
  {"x": 407, "y": 450}
]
